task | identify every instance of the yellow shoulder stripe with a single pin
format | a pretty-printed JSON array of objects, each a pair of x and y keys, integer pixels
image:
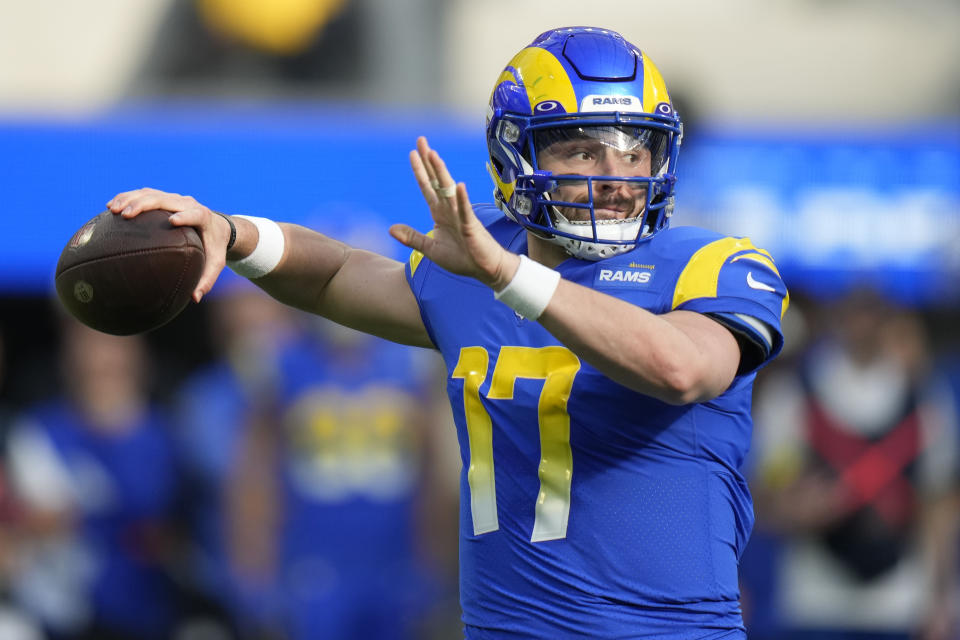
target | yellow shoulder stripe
[
  {"x": 762, "y": 259},
  {"x": 700, "y": 277},
  {"x": 416, "y": 256}
]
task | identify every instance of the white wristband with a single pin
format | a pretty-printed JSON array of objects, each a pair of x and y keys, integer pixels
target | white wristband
[
  {"x": 266, "y": 255},
  {"x": 531, "y": 289}
]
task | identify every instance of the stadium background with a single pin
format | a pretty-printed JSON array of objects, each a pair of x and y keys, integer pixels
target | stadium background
[{"x": 827, "y": 131}]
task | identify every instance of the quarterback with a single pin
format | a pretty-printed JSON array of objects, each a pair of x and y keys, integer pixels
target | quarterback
[{"x": 600, "y": 362}]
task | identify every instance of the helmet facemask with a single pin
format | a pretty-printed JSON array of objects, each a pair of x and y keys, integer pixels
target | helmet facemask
[{"x": 594, "y": 189}]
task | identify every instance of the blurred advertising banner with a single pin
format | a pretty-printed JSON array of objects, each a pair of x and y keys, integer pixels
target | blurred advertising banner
[
  {"x": 875, "y": 208},
  {"x": 879, "y": 207},
  {"x": 317, "y": 165}
]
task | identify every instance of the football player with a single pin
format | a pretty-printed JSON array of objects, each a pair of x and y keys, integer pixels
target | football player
[{"x": 600, "y": 362}]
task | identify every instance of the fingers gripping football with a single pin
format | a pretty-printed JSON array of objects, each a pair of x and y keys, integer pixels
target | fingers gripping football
[{"x": 186, "y": 211}]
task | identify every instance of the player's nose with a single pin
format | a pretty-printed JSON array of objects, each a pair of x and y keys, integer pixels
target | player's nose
[
  {"x": 612, "y": 164},
  {"x": 616, "y": 165},
  {"x": 613, "y": 186}
]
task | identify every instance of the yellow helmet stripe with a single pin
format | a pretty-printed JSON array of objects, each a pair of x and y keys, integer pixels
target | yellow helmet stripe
[
  {"x": 700, "y": 277},
  {"x": 544, "y": 78},
  {"x": 654, "y": 88}
]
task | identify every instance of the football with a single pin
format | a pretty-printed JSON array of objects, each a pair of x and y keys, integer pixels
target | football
[{"x": 125, "y": 276}]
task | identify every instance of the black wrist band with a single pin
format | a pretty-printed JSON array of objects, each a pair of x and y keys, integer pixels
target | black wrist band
[{"x": 233, "y": 229}]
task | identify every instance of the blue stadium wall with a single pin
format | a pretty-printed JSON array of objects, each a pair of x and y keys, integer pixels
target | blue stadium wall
[{"x": 836, "y": 208}]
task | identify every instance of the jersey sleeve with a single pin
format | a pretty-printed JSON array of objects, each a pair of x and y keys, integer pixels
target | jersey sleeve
[
  {"x": 417, "y": 269},
  {"x": 738, "y": 285}
]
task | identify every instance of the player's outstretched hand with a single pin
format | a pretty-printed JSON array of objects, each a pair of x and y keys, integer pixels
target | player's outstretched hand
[
  {"x": 187, "y": 212},
  {"x": 459, "y": 243}
]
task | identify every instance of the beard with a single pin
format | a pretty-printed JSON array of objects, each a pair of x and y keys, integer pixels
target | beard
[{"x": 613, "y": 207}]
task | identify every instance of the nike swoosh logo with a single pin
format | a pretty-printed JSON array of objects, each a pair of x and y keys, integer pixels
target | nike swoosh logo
[{"x": 756, "y": 284}]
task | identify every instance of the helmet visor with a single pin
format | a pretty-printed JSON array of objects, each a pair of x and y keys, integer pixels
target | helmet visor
[{"x": 601, "y": 150}]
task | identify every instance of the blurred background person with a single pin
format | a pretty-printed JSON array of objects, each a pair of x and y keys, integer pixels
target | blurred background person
[
  {"x": 96, "y": 477},
  {"x": 14, "y": 624},
  {"x": 326, "y": 507},
  {"x": 253, "y": 43},
  {"x": 214, "y": 408},
  {"x": 361, "y": 533},
  {"x": 856, "y": 480}
]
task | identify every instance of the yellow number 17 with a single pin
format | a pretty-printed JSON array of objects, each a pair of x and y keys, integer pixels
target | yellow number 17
[{"x": 556, "y": 366}]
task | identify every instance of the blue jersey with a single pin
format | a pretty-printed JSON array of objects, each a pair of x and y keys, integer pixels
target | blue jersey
[
  {"x": 128, "y": 482},
  {"x": 348, "y": 472},
  {"x": 588, "y": 509},
  {"x": 348, "y": 559}
]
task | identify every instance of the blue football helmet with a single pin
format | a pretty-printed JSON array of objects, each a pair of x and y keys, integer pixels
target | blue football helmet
[{"x": 583, "y": 142}]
